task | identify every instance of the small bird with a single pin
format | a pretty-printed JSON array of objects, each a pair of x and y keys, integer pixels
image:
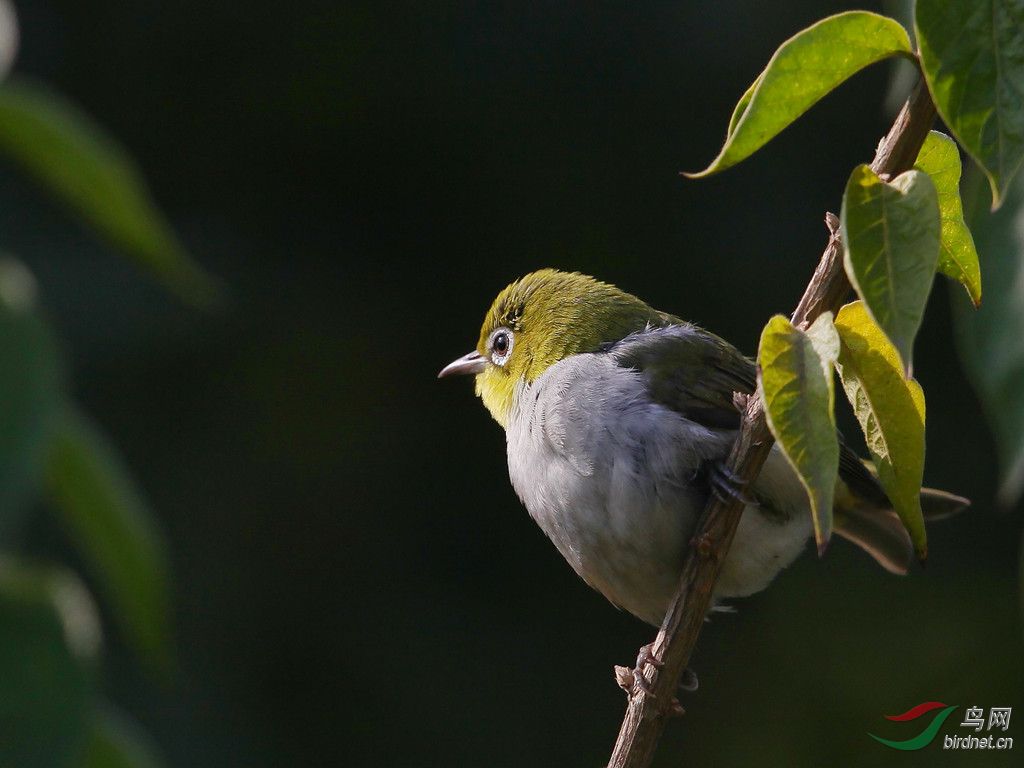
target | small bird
[{"x": 618, "y": 419}]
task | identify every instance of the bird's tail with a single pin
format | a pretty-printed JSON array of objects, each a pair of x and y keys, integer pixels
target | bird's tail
[{"x": 876, "y": 529}]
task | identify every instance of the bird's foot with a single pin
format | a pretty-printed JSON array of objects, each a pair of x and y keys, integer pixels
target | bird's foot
[
  {"x": 636, "y": 675},
  {"x": 629, "y": 679},
  {"x": 645, "y": 656},
  {"x": 727, "y": 485}
]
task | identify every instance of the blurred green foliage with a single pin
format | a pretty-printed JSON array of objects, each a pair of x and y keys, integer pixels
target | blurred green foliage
[
  {"x": 29, "y": 391},
  {"x": 49, "y": 639},
  {"x": 991, "y": 341},
  {"x": 49, "y": 633},
  {"x": 89, "y": 172},
  {"x": 109, "y": 522}
]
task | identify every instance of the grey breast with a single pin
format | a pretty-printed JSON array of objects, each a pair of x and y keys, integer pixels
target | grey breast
[{"x": 610, "y": 476}]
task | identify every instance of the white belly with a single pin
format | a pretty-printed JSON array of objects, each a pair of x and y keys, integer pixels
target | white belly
[{"x": 609, "y": 477}]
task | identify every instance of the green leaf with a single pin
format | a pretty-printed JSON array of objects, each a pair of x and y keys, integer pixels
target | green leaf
[
  {"x": 891, "y": 412},
  {"x": 117, "y": 742},
  {"x": 972, "y": 54},
  {"x": 115, "y": 531},
  {"x": 891, "y": 249},
  {"x": 990, "y": 339},
  {"x": 29, "y": 393},
  {"x": 49, "y": 638},
  {"x": 795, "y": 377},
  {"x": 802, "y": 71},
  {"x": 958, "y": 259},
  {"x": 741, "y": 106},
  {"x": 88, "y": 171}
]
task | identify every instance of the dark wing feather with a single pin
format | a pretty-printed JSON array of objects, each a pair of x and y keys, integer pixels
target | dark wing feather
[
  {"x": 696, "y": 373},
  {"x": 690, "y": 371},
  {"x": 858, "y": 478}
]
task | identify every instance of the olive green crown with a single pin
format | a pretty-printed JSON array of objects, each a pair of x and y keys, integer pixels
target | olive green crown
[{"x": 553, "y": 315}]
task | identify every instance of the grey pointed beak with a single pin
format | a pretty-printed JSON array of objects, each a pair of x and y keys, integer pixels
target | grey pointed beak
[{"x": 474, "y": 362}]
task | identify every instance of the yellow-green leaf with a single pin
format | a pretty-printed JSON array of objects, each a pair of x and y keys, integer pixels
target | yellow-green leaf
[
  {"x": 890, "y": 409},
  {"x": 958, "y": 259},
  {"x": 795, "y": 378},
  {"x": 972, "y": 54},
  {"x": 891, "y": 249},
  {"x": 741, "y": 106},
  {"x": 804, "y": 69}
]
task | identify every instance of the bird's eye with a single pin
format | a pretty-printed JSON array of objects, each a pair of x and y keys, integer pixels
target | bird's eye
[{"x": 501, "y": 346}]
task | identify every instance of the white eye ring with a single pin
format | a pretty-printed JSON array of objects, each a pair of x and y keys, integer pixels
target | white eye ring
[{"x": 501, "y": 338}]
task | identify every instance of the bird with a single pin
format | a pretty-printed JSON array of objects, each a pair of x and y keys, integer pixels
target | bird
[{"x": 618, "y": 419}]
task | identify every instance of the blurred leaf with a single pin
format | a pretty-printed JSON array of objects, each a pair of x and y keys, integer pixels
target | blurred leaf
[
  {"x": 8, "y": 36},
  {"x": 891, "y": 412},
  {"x": 116, "y": 742},
  {"x": 87, "y": 170},
  {"x": 958, "y": 259},
  {"x": 115, "y": 531},
  {"x": 49, "y": 639},
  {"x": 991, "y": 339},
  {"x": 904, "y": 73},
  {"x": 804, "y": 69},
  {"x": 29, "y": 392},
  {"x": 972, "y": 54},
  {"x": 891, "y": 249},
  {"x": 795, "y": 375}
]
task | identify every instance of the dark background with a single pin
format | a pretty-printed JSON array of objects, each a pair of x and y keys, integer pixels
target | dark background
[{"x": 356, "y": 582}]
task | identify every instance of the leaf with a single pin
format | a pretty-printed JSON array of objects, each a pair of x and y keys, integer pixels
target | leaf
[
  {"x": 891, "y": 412},
  {"x": 890, "y": 238},
  {"x": 29, "y": 392},
  {"x": 802, "y": 71},
  {"x": 115, "y": 531},
  {"x": 88, "y": 171},
  {"x": 990, "y": 339},
  {"x": 741, "y": 106},
  {"x": 9, "y": 36},
  {"x": 958, "y": 259},
  {"x": 117, "y": 742},
  {"x": 972, "y": 54},
  {"x": 49, "y": 638},
  {"x": 795, "y": 377}
]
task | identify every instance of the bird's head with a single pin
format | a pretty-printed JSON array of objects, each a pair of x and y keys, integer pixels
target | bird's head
[{"x": 543, "y": 318}]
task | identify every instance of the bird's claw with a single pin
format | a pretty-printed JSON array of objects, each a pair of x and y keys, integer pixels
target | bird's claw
[
  {"x": 630, "y": 679},
  {"x": 727, "y": 485},
  {"x": 645, "y": 657}
]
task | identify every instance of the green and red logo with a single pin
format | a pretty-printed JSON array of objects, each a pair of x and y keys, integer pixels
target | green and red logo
[{"x": 927, "y": 735}]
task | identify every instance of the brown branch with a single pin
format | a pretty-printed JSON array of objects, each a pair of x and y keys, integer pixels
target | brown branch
[{"x": 648, "y": 710}]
